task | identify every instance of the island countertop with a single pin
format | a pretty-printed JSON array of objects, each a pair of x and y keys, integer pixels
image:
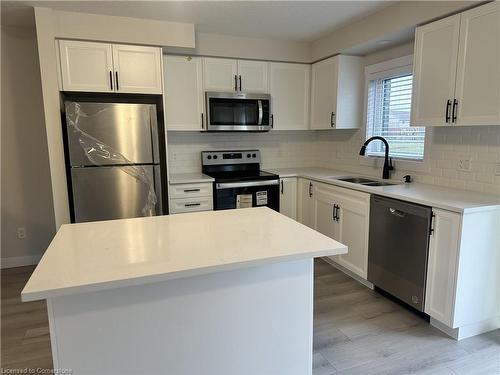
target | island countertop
[{"x": 102, "y": 255}]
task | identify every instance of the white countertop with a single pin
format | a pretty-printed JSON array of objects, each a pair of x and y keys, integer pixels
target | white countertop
[
  {"x": 189, "y": 178},
  {"x": 108, "y": 254},
  {"x": 430, "y": 195}
]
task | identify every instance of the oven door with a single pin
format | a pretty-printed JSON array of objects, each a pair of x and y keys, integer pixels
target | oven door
[
  {"x": 247, "y": 194},
  {"x": 238, "y": 112}
]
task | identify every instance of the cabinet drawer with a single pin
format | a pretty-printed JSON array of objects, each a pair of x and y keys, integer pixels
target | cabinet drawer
[
  {"x": 190, "y": 190},
  {"x": 178, "y": 206}
]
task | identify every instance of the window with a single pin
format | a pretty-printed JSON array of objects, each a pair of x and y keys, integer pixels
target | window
[{"x": 388, "y": 114}]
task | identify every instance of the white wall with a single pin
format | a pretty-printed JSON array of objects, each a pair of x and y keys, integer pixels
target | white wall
[
  {"x": 388, "y": 23},
  {"x": 250, "y": 48},
  {"x": 26, "y": 193}
]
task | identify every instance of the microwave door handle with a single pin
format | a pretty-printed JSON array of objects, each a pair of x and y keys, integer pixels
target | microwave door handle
[{"x": 261, "y": 112}]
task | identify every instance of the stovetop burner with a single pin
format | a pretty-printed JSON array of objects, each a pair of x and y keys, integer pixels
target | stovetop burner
[{"x": 231, "y": 166}]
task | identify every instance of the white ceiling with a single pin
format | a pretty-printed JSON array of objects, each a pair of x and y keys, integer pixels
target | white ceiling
[{"x": 303, "y": 21}]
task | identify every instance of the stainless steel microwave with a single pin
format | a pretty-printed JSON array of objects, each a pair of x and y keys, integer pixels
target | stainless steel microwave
[{"x": 238, "y": 111}]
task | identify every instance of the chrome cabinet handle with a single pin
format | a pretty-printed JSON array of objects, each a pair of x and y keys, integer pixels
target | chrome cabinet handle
[
  {"x": 272, "y": 121},
  {"x": 116, "y": 75},
  {"x": 192, "y": 204},
  {"x": 235, "y": 82},
  {"x": 240, "y": 82},
  {"x": 202, "y": 121},
  {"x": 281, "y": 187},
  {"x": 111, "y": 80},
  {"x": 191, "y": 190},
  {"x": 310, "y": 189}
]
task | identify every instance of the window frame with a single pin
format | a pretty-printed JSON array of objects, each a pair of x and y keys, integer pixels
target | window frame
[{"x": 391, "y": 68}]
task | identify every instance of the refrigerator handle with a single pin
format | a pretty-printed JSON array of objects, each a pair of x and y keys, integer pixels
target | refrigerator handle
[{"x": 158, "y": 189}]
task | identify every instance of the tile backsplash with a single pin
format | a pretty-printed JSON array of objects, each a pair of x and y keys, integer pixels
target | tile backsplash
[
  {"x": 445, "y": 147},
  {"x": 278, "y": 149}
]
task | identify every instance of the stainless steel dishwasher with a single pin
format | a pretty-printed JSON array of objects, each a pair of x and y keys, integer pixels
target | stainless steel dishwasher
[{"x": 398, "y": 248}]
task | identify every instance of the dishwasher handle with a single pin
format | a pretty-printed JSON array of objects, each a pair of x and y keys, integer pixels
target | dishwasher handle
[{"x": 397, "y": 213}]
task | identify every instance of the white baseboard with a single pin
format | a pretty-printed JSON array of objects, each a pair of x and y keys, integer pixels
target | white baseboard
[
  {"x": 348, "y": 272},
  {"x": 12, "y": 262},
  {"x": 467, "y": 331}
]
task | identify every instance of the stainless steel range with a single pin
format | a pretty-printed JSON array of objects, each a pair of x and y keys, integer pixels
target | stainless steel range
[{"x": 239, "y": 182}]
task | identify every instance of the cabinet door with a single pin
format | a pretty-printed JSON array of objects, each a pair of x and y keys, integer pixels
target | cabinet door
[
  {"x": 305, "y": 208},
  {"x": 434, "y": 71},
  {"x": 137, "y": 69},
  {"x": 442, "y": 266},
  {"x": 478, "y": 73},
  {"x": 86, "y": 66},
  {"x": 324, "y": 211},
  {"x": 183, "y": 92},
  {"x": 220, "y": 74},
  {"x": 353, "y": 219},
  {"x": 290, "y": 87},
  {"x": 324, "y": 93},
  {"x": 288, "y": 197},
  {"x": 253, "y": 76}
]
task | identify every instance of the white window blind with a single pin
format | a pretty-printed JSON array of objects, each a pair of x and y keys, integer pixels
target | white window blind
[{"x": 388, "y": 115}]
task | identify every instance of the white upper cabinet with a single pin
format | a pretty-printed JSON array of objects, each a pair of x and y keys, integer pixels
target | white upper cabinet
[
  {"x": 104, "y": 67},
  {"x": 253, "y": 76},
  {"x": 137, "y": 69},
  {"x": 457, "y": 69},
  {"x": 478, "y": 72},
  {"x": 183, "y": 77},
  {"x": 229, "y": 75},
  {"x": 290, "y": 87},
  {"x": 220, "y": 74},
  {"x": 86, "y": 66},
  {"x": 324, "y": 93},
  {"x": 436, "y": 48},
  {"x": 337, "y": 93}
]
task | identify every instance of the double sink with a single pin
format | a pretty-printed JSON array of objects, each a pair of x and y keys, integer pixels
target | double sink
[{"x": 362, "y": 181}]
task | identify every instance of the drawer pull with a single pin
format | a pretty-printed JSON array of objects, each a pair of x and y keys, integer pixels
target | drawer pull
[
  {"x": 192, "y": 204},
  {"x": 191, "y": 190}
]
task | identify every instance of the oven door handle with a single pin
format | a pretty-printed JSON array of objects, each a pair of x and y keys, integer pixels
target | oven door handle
[
  {"x": 261, "y": 112},
  {"x": 229, "y": 185}
]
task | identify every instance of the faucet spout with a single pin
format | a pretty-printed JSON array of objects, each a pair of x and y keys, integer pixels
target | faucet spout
[{"x": 387, "y": 161}]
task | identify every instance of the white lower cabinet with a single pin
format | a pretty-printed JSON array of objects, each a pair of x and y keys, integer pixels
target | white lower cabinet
[
  {"x": 305, "y": 202},
  {"x": 190, "y": 197},
  {"x": 343, "y": 215},
  {"x": 442, "y": 265},
  {"x": 463, "y": 274},
  {"x": 288, "y": 197}
]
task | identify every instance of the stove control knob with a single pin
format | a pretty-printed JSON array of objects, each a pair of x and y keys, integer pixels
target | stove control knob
[
  {"x": 248, "y": 155},
  {"x": 209, "y": 157},
  {"x": 215, "y": 156},
  {"x": 254, "y": 155}
]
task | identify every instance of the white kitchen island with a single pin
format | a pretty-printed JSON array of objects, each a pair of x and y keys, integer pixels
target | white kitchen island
[{"x": 224, "y": 292}]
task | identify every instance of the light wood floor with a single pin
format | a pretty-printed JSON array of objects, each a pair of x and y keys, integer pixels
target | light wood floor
[{"x": 356, "y": 331}]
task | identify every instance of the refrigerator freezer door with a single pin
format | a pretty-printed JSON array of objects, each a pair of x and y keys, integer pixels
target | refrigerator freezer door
[
  {"x": 127, "y": 129},
  {"x": 106, "y": 193}
]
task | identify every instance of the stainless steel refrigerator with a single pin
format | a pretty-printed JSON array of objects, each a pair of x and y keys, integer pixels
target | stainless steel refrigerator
[{"x": 113, "y": 156}]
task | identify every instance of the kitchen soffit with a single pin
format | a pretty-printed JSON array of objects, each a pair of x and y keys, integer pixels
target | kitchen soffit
[{"x": 303, "y": 21}]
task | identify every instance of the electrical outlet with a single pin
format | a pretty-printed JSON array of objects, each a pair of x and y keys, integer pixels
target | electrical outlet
[
  {"x": 21, "y": 233},
  {"x": 464, "y": 165},
  {"x": 497, "y": 170}
]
